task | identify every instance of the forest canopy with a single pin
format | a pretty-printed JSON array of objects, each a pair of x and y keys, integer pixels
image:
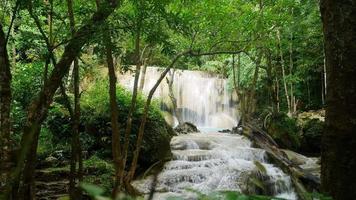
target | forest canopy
[{"x": 64, "y": 111}]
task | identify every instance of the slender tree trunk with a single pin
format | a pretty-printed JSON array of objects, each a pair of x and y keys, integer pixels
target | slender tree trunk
[
  {"x": 76, "y": 164},
  {"x": 252, "y": 90},
  {"x": 170, "y": 82},
  {"x": 13, "y": 46},
  {"x": 271, "y": 87},
  {"x": 142, "y": 77},
  {"x": 283, "y": 72},
  {"x": 234, "y": 75},
  {"x": 5, "y": 103},
  {"x": 140, "y": 134},
  {"x": 133, "y": 100},
  {"x": 339, "y": 139},
  {"x": 291, "y": 66},
  {"x": 116, "y": 145},
  {"x": 277, "y": 94},
  {"x": 38, "y": 108}
]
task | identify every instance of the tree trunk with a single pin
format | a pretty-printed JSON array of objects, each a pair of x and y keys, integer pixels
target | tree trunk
[
  {"x": 271, "y": 88},
  {"x": 142, "y": 77},
  {"x": 172, "y": 97},
  {"x": 140, "y": 134},
  {"x": 76, "y": 174},
  {"x": 5, "y": 103},
  {"x": 252, "y": 89},
  {"x": 339, "y": 139},
  {"x": 291, "y": 66},
  {"x": 133, "y": 100},
  {"x": 283, "y": 72},
  {"x": 38, "y": 108},
  {"x": 234, "y": 75},
  {"x": 116, "y": 145}
]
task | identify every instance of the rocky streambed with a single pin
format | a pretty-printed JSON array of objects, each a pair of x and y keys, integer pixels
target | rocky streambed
[{"x": 208, "y": 162}]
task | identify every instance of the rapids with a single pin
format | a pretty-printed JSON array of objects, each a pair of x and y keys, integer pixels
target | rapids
[{"x": 208, "y": 161}]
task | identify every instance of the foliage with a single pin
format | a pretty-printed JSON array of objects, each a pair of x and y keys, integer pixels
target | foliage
[
  {"x": 100, "y": 172},
  {"x": 312, "y": 133},
  {"x": 265, "y": 31},
  {"x": 96, "y": 129},
  {"x": 285, "y": 131}
]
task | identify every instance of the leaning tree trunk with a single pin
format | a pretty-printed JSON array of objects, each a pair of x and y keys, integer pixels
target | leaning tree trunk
[
  {"x": 133, "y": 99},
  {"x": 140, "y": 134},
  {"x": 38, "y": 108},
  {"x": 339, "y": 140},
  {"x": 5, "y": 102}
]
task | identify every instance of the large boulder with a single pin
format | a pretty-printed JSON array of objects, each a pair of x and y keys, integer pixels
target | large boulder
[{"x": 185, "y": 128}]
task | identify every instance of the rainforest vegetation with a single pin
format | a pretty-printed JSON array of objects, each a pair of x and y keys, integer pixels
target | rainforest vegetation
[{"x": 70, "y": 128}]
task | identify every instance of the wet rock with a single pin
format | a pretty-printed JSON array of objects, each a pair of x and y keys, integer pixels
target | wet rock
[
  {"x": 236, "y": 130},
  {"x": 186, "y": 128},
  {"x": 225, "y": 131},
  {"x": 309, "y": 164}
]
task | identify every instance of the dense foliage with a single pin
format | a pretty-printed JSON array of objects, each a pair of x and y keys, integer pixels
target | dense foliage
[{"x": 270, "y": 51}]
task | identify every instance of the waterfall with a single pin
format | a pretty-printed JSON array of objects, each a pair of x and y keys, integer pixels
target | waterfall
[
  {"x": 202, "y": 98},
  {"x": 209, "y": 161}
]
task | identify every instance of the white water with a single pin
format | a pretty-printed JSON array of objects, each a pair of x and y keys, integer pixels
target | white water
[
  {"x": 207, "y": 162},
  {"x": 202, "y": 98}
]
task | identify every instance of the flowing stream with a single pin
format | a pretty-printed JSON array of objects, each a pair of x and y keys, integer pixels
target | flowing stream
[{"x": 208, "y": 161}]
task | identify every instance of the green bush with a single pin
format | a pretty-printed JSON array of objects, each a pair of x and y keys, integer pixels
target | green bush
[
  {"x": 26, "y": 82},
  {"x": 312, "y": 133},
  {"x": 285, "y": 131},
  {"x": 96, "y": 128}
]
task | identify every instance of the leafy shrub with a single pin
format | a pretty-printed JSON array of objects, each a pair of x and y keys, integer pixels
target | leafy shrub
[
  {"x": 285, "y": 131},
  {"x": 27, "y": 80},
  {"x": 312, "y": 133},
  {"x": 96, "y": 128}
]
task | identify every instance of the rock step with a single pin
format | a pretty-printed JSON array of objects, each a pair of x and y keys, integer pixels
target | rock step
[{"x": 184, "y": 165}]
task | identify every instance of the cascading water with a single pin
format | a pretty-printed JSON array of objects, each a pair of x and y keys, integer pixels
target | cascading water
[
  {"x": 208, "y": 162},
  {"x": 202, "y": 98}
]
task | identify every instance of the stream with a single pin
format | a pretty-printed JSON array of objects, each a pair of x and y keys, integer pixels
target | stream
[
  {"x": 208, "y": 161},
  {"x": 213, "y": 161}
]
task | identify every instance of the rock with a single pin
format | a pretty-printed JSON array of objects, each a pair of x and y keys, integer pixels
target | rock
[
  {"x": 186, "y": 128},
  {"x": 310, "y": 164},
  {"x": 236, "y": 130},
  {"x": 225, "y": 131},
  {"x": 303, "y": 117},
  {"x": 51, "y": 159}
]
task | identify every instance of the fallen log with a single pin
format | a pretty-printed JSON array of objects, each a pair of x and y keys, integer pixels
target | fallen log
[{"x": 302, "y": 180}]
